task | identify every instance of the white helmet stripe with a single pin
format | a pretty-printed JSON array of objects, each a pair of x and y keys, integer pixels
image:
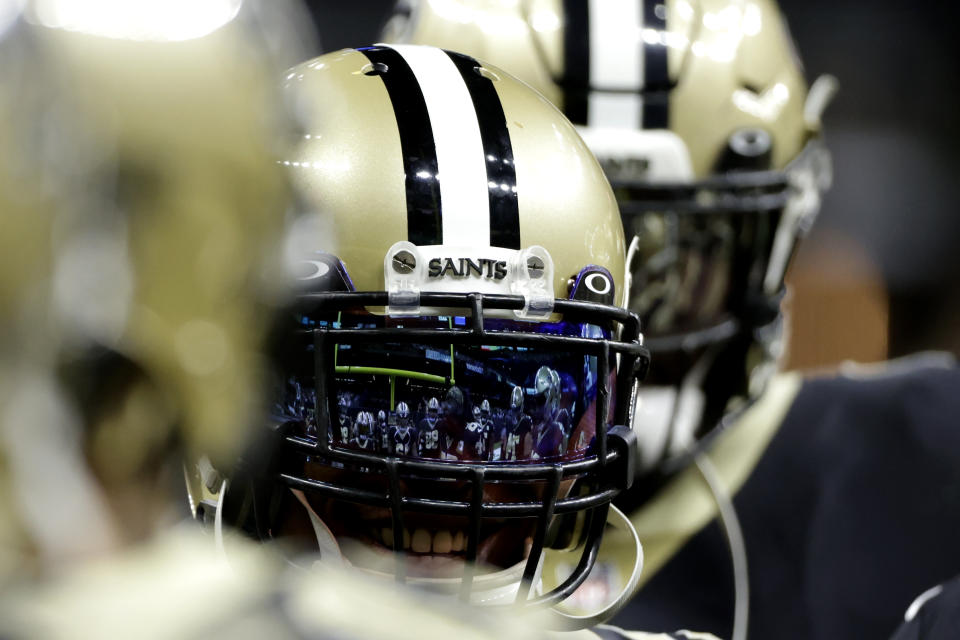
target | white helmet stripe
[
  {"x": 616, "y": 45},
  {"x": 613, "y": 110},
  {"x": 417, "y": 148},
  {"x": 616, "y": 63},
  {"x": 629, "y": 77},
  {"x": 461, "y": 169}
]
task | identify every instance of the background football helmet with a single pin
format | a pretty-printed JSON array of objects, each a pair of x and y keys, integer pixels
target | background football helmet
[
  {"x": 457, "y": 235},
  {"x": 700, "y": 115}
]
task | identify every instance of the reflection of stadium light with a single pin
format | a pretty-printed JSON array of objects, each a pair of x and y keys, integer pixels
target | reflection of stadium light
[{"x": 145, "y": 20}]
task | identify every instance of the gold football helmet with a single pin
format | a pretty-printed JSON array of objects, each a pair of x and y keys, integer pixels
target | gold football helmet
[
  {"x": 459, "y": 248},
  {"x": 703, "y": 122},
  {"x": 141, "y": 214}
]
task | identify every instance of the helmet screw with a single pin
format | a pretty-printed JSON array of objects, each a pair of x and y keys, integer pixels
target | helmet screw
[
  {"x": 404, "y": 262},
  {"x": 375, "y": 69},
  {"x": 535, "y": 267}
]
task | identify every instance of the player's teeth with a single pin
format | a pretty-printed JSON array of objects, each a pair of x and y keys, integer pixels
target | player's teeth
[
  {"x": 406, "y": 538},
  {"x": 420, "y": 543},
  {"x": 458, "y": 541},
  {"x": 442, "y": 541},
  {"x": 387, "y": 534}
]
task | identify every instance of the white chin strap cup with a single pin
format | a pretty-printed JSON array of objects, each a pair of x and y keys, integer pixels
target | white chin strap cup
[{"x": 560, "y": 620}]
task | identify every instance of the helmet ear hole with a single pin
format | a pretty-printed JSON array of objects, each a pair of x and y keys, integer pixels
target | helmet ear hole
[{"x": 748, "y": 148}]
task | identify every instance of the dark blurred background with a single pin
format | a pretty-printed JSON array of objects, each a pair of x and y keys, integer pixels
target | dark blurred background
[
  {"x": 879, "y": 275},
  {"x": 894, "y": 133}
]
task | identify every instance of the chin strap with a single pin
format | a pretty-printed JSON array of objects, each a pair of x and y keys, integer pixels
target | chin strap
[
  {"x": 330, "y": 553},
  {"x": 498, "y": 588},
  {"x": 558, "y": 619},
  {"x": 738, "y": 550},
  {"x": 632, "y": 252},
  {"x": 667, "y": 418},
  {"x": 218, "y": 522}
]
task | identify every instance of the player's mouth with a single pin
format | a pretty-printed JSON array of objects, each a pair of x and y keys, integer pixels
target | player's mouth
[
  {"x": 436, "y": 541},
  {"x": 433, "y": 546}
]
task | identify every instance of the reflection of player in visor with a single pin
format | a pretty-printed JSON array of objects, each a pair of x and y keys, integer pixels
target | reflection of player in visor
[
  {"x": 404, "y": 440},
  {"x": 428, "y": 438},
  {"x": 433, "y": 412},
  {"x": 452, "y": 422},
  {"x": 517, "y": 438},
  {"x": 384, "y": 432},
  {"x": 486, "y": 420},
  {"x": 473, "y": 446},
  {"x": 365, "y": 432},
  {"x": 485, "y": 417},
  {"x": 345, "y": 424},
  {"x": 293, "y": 405},
  {"x": 490, "y": 431},
  {"x": 548, "y": 438},
  {"x": 403, "y": 414}
]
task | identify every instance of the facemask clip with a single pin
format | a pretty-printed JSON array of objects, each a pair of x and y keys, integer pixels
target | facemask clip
[
  {"x": 533, "y": 279},
  {"x": 403, "y": 271}
]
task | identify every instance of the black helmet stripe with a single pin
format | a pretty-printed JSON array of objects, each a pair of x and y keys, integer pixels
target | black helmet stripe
[
  {"x": 424, "y": 213},
  {"x": 656, "y": 77},
  {"x": 617, "y": 98},
  {"x": 455, "y": 144},
  {"x": 576, "y": 60},
  {"x": 497, "y": 151}
]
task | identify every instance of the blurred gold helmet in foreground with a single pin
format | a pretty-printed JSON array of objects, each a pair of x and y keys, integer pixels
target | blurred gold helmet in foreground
[{"x": 141, "y": 208}]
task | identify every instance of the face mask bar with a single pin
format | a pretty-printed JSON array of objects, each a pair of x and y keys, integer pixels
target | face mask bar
[
  {"x": 789, "y": 197},
  {"x": 734, "y": 192},
  {"x": 737, "y": 194},
  {"x": 608, "y": 471}
]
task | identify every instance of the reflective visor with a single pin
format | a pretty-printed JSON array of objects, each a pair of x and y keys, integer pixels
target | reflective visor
[
  {"x": 472, "y": 403},
  {"x": 710, "y": 255},
  {"x": 693, "y": 271}
]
